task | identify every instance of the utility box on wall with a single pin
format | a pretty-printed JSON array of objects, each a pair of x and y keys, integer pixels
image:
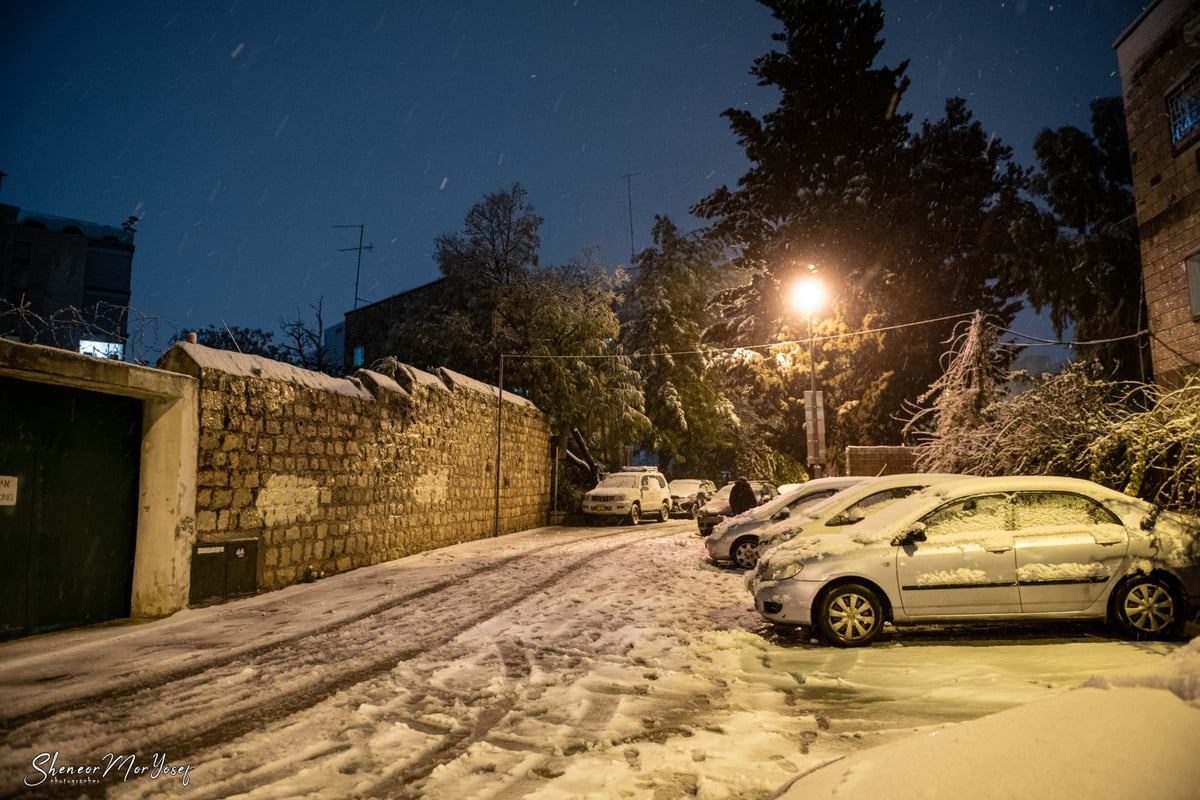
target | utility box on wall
[{"x": 221, "y": 570}]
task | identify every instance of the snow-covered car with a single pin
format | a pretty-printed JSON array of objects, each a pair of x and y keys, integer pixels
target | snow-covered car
[
  {"x": 688, "y": 494},
  {"x": 717, "y": 508},
  {"x": 983, "y": 549},
  {"x": 848, "y": 507},
  {"x": 736, "y": 538},
  {"x": 632, "y": 493}
]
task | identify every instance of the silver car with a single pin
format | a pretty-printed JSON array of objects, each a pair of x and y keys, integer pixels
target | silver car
[
  {"x": 979, "y": 549},
  {"x": 736, "y": 538}
]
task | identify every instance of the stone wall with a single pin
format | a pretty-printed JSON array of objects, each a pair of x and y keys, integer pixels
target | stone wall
[{"x": 330, "y": 474}]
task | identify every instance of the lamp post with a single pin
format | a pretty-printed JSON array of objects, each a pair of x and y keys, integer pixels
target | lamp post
[{"x": 807, "y": 296}]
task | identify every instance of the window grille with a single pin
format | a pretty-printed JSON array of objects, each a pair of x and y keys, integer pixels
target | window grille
[{"x": 1183, "y": 110}]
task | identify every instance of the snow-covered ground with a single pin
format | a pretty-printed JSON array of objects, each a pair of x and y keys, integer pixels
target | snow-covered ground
[{"x": 577, "y": 663}]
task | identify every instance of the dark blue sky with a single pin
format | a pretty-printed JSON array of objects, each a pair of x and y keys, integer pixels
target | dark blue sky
[{"x": 242, "y": 131}]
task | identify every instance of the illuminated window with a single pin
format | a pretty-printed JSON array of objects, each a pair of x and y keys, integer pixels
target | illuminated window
[
  {"x": 358, "y": 356},
  {"x": 102, "y": 349},
  {"x": 1183, "y": 110}
]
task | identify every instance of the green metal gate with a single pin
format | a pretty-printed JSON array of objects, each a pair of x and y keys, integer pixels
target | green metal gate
[{"x": 68, "y": 506}]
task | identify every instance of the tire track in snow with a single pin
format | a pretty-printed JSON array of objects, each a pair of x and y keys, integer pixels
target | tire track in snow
[
  {"x": 128, "y": 685},
  {"x": 175, "y": 713}
]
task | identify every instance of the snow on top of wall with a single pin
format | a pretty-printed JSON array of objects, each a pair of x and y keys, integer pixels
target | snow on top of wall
[
  {"x": 268, "y": 369},
  {"x": 418, "y": 376},
  {"x": 379, "y": 381},
  {"x": 458, "y": 379}
]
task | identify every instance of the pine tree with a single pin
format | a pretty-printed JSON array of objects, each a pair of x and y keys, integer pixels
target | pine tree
[
  {"x": 1094, "y": 281},
  {"x": 902, "y": 227}
]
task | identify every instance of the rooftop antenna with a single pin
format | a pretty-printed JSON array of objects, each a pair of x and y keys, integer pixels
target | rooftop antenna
[
  {"x": 628, "y": 176},
  {"x": 360, "y": 248}
]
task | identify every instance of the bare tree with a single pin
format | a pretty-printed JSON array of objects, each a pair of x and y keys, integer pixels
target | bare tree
[{"x": 303, "y": 345}]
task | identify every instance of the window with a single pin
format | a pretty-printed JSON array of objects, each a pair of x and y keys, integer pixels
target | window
[
  {"x": 1193, "y": 281},
  {"x": 1037, "y": 509},
  {"x": 358, "y": 356},
  {"x": 987, "y": 512},
  {"x": 1183, "y": 111},
  {"x": 112, "y": 350}
]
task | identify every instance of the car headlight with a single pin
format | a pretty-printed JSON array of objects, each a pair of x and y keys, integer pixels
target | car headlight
[{"x": 772, "y": 571}]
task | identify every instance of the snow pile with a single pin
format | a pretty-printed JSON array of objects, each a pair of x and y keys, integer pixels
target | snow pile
[{"x": 1087, "y": 743}]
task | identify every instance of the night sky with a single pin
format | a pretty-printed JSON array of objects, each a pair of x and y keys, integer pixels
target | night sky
[{"x": 242, "y": 132}]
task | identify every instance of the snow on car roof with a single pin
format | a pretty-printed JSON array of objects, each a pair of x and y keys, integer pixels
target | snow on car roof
[
  {"x": 815, "y": 485},
  {"x": 853, "y": 494}
]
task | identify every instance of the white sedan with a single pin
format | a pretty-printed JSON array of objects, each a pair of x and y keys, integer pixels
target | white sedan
[{"x": 981, "y": 549}]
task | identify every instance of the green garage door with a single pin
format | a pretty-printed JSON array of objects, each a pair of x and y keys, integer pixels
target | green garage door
[{"x": 68, "y": 506}]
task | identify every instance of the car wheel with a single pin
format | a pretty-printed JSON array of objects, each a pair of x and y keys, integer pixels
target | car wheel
[
  {"x": 635, "y": 514},
  {"x": 694, "y": 511},
  {"x": 664, "y": 513},
  {"x": 850, "y": 615},
  {"x": 744, "y": 552},
  {"x": 1147, "y": 607}
]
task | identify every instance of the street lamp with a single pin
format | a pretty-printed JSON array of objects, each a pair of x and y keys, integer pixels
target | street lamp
[{"x": 807, "y": 296}]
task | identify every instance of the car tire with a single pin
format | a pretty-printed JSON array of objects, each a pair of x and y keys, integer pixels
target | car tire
[
  {"x": 1147, "y": 607},
  {"x": 850, "y": 615},
  {"x": 744, "y": 552},
  {"x": 664, "y": 513},
  {"x": 635, "y": 514}
]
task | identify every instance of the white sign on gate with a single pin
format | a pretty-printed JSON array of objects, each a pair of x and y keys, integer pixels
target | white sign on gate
[{"x": 8, "y": 490}]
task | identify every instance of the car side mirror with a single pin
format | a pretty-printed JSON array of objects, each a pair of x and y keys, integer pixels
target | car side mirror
[
  {"x": 911, "y": 536},
  {"x": 1150, "y": 520},
  {"x": 782, "y": 513}
]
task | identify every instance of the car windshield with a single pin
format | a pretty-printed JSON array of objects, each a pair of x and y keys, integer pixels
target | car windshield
[
  {"x": 723, "y": 492},
  {"x": 619, "y": 482},
  {"x": 800, "y": 497},
  {"x": 685, "y": 487}
]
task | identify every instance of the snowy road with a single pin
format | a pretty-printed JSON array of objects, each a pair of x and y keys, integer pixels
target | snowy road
[{"x": 554, "y": 663}]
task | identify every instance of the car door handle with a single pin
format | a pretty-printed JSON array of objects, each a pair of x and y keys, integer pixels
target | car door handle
[{"x": 998, "y": 548}]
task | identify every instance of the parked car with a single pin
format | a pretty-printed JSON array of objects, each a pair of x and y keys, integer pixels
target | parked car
[
  {"x": 976, "y": 549},
  {"x": 632, "y": 493},
  {"x": 717, "y": 508},
  {"x": 849, "y": 506},
  {"x": 736, "y": 538},
  {"x": 688, "y": 494}
]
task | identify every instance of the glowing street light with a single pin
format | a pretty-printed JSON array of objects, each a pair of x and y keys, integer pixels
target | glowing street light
[{"x": 807, "y": 296}]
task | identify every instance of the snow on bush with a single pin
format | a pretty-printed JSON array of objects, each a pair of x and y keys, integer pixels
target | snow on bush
[{"x": 1138, "y": 438}]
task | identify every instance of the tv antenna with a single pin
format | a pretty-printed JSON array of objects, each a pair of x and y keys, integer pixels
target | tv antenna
[
  {"x": 628, "y": 176},
  {"x": 360, "y": 248}
]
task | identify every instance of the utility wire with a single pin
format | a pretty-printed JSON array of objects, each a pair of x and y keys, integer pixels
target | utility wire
[{"x": 1035, "y": 341}]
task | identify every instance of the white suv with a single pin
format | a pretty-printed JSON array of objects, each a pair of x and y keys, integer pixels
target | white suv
[{"x": 632, "y": 493}]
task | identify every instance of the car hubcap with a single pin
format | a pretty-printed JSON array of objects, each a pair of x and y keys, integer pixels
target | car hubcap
[
  {"x": 852, "y": 617},
  {"x": 1149, "y": 608},
  {"x": 745, "y": 555}
]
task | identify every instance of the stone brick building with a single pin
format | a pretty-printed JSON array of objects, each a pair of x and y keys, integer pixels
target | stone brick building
[{"x": 1159, "y": 58}]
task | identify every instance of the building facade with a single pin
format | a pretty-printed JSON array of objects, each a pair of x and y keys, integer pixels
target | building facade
[
  {"x": 380, "y": 329},
  {"x": 1159, "y": 59},
  {"x": 65, "y": 282}
]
